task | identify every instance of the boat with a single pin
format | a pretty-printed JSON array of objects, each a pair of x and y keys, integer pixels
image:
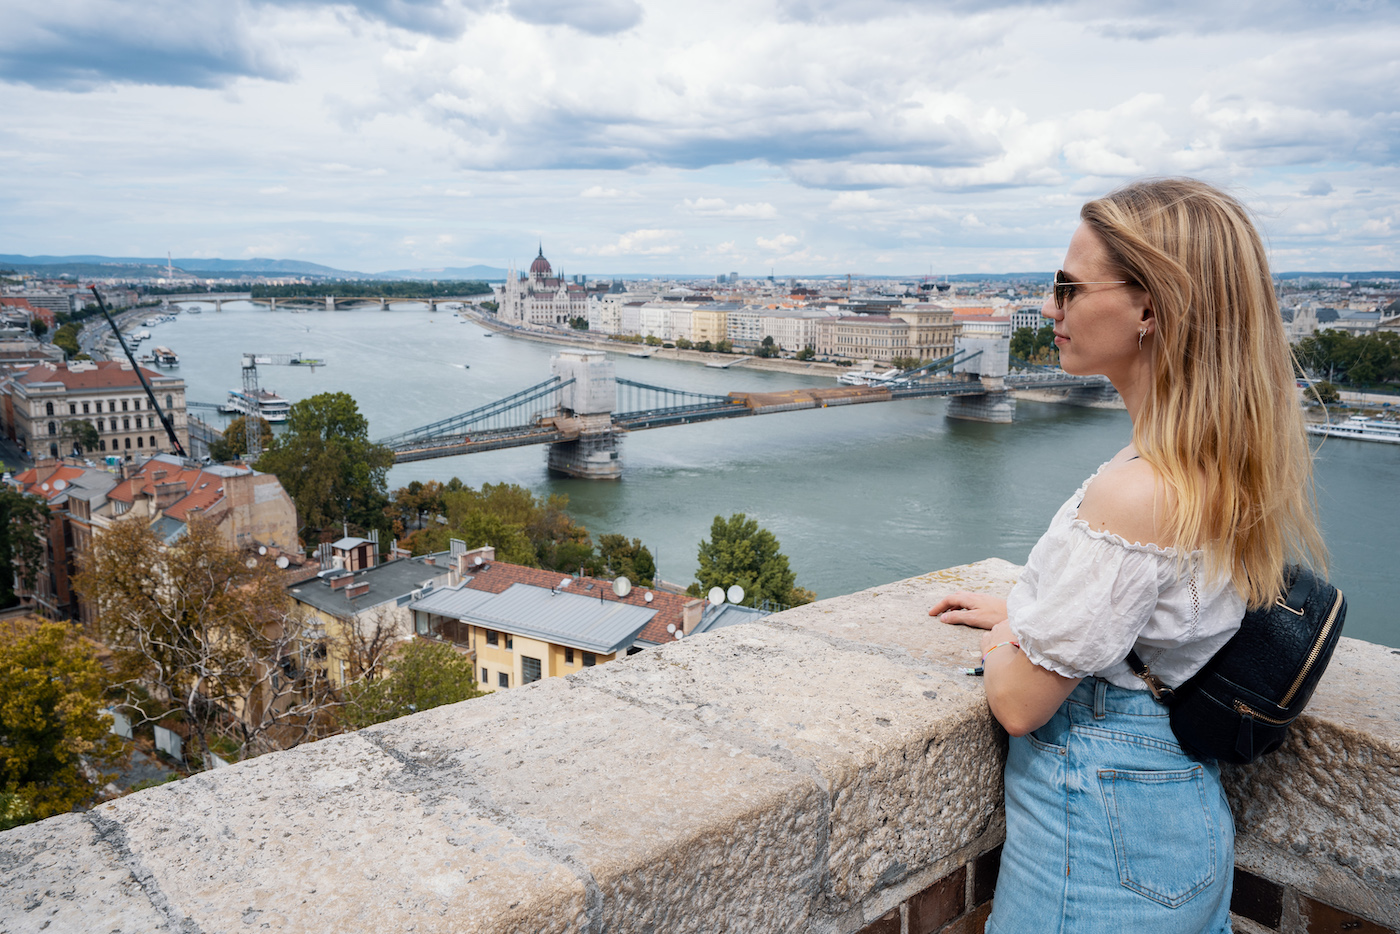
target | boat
[
  {"x": 151, "y": 322},
  {"x": 489, "y": 334},
  {"x": 268, "y": 405},
  {"x": 164, "y": 356},
  {"x": 146, "y": 358},
  {"x": 869, "y": 378},
  {"x": 1360, "y": 428},
  {"x": 639, "y": 353},
  {"x": 192, "y": 310}
]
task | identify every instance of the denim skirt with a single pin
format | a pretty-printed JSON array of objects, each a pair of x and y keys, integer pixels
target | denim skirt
[{"x": 1110, "y": 827}]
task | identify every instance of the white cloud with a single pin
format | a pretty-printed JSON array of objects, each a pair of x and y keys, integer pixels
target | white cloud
[
  {"x": 645, "y": 242},
  {"x": 598, "y": 191},
  {"x": 780, "y": 243},
  {"x": 718, "y": 207}
]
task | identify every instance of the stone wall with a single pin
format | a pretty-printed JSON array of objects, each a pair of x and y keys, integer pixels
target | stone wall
[{"x": 830, "y": 769}]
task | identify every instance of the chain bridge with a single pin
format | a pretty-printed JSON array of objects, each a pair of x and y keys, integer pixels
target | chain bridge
[{"x": 583, "y": 409}]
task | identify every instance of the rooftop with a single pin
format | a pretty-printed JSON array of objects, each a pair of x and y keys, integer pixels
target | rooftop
[
  {"x": 88, "y": 375},
  {"x": 560, "y": 617},
  {"x": 388, "y": 581}
]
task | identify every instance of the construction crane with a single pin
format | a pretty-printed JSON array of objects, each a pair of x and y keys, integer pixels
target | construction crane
[
  {"x": 164, "y": 416},
  {"x": 252, "y": 394}
]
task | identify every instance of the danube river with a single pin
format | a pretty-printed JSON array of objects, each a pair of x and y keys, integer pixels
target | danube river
[{"x": 857, "y": 495}]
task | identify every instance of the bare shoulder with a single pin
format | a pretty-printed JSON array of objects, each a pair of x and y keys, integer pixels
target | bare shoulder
[{"x": 1128, "y": 500}]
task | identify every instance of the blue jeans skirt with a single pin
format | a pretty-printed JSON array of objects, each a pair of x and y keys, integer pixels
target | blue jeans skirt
[{"x": 1110, "y": 827}]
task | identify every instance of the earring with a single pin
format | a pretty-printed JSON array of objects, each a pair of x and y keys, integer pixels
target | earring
[{"x": 1142, "y": 332}]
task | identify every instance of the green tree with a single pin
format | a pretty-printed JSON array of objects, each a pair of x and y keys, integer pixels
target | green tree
[
  {"x": 421, "y": 675},
  {"x": 82, "y": 434},
  {"x": 234, "y": 442},
  {"x": 684, "y": 343},
  {"x": 1327, "y": 393},
  {"x": 51, "y": 689},
  {"x": 66, "y": 338},
  {"x": 767, "y": 348},
  {"x": 523, "y": 528},
  {"x": 630, "y": 559},
  {"x": 1036, "y": 345},
  {"x": 806, "y": 353},
  {"x": 739, "y": 552},
  {"x": 328, "y": 465},
  {"x": 23, "y": 519},
  {"x": 653, "y": 341},
  {"x": 40, "y": 327}
]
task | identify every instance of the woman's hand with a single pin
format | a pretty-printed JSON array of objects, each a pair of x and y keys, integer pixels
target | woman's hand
[
  {"x": 999, "y": 633},
  {"x": 965, "y": 608}
]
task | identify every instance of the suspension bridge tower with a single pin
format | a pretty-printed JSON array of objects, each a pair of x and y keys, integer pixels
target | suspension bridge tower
[
  {"x": 585, "y": 417},
  {"x": 989, "y": 363}
]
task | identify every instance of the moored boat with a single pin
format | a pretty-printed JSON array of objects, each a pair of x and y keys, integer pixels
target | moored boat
[
  {"x": 1360, "y": 428},
  {"x": 164, "y": 356},
  {"x": 268, "y": 405}
]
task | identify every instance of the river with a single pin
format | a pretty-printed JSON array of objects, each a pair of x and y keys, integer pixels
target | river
[{"x": 858, "y": 495}]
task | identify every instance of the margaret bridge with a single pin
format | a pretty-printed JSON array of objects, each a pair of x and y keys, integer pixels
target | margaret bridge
[{"x": 584, "y": 408}]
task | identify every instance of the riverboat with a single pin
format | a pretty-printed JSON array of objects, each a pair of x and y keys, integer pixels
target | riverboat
[
  {"x": 166, "y": 357},
  {"x": 268, "y": 405},
  {"x": 146, "y": 358},
  {"x": 1360, "y": 428},
  {"x": 868, "y": 378}
]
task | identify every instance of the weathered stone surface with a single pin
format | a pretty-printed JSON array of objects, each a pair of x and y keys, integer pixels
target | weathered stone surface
[
  {"x": 1331, "y": 795},
  {"x": 672, "y": 827},
  {"x": 325, "y": 838},
  {"x": 57, "y": 875}
]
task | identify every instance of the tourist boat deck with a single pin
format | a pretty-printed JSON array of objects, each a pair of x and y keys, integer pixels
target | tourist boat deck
[
  {"x": 1360, "y": 428},
  {"x": 268, "y": 405}
]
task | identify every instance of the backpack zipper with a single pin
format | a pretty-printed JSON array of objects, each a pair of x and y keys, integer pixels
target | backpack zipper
[
  {"x": 1242, "y": 707},
  {"x": 1318, "y": 643}
]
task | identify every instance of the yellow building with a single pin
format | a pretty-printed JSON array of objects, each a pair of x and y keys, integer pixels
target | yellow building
[
  {"x": 709, "y": 324},
  {"x": 931, "y": 330}
]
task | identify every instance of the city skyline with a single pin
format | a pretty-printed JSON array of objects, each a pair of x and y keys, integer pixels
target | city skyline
[{"x": 802, "y": 136}]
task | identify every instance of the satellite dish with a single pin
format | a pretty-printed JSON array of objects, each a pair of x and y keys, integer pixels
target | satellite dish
[
  {"x": 477, "y": 561},
  {"x": 251, "y": 562},
  {"x": 680, "y": 633},
  {"x": 670, "y": 627},
  {"x": 735, "y": 594},
  {"x": 282, "y": 562},
  {"x": 262, "y": 549},
  {"x": 44, "y": 485},
  {"x": 59, "y": 484},
  {"x": 622, "y": 586},
  {"x": 647, "y": 596},
  {"x": 716, "y": 596}
]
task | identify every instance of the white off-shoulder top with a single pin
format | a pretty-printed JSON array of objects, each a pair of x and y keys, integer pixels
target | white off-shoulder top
[{"x": 1085, "y": 598}]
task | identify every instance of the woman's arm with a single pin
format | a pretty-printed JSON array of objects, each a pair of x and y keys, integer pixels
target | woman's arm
[{"x": 1023, "y": 696}]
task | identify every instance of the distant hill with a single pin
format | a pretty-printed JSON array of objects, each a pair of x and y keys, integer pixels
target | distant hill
[{"x": 445, "y": 272}]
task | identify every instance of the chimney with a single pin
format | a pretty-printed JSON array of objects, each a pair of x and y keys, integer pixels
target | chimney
[
  {"x": 357, "y": 589},
  {"x": 691, "y": 614},
  {"x": 340, "y": 581},
  {"x": 467, "y": 561}
]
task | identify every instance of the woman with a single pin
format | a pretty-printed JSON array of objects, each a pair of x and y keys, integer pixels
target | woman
[{"x": 1109, "y": 825}]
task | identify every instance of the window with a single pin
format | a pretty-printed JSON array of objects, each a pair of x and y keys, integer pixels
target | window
[
  {"x": 503, "y": 679},
  {"x": 53, "y": 429},
  {"x": 136, "y": 404},
  {"x": 126, "y": 424},
  {"x": 140, "y": 442},
  {"x": 48, "y": 408},
  {"x": 72, "y": 408},
  {"x": 123, "y": 405},
  {"x": 568, "y": 656},
  {"x": 150, "y": 421},
  {"x": 491, "y": 637},
  {"x": 168, "y": 404},
  {"x": 510, "y": 643},
  {"x": 102, "y": 444},
  {"x": 529, "y": 669},
  {"x": 128, "y": 443},
  {"x": 153, "y": 440},
  {"x": 485, "y": 676},
  {"x": 589, "y": 659},
  {"x": 85, "y": 408}
]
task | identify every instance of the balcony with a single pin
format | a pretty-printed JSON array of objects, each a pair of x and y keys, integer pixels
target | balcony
[{"x": 827, "y": 769}]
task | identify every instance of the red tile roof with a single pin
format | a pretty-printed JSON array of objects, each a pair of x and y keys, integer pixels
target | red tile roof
[
  {"x": 203, "y": 489},
  {"x": 30, "y": 482},
  {"x": 105, "y": 374},
  {"x": 668, "y": 606}
]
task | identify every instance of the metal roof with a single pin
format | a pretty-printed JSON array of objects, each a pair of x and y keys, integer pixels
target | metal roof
[
  {"x": 561, "y": 618},
  {"x": 388, "y": 581}
]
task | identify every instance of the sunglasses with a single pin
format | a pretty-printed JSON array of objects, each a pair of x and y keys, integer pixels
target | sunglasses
[{"x": 1064, "y": 288}]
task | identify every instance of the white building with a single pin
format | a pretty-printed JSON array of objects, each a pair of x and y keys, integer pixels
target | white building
[
  {"x": 793, "y": 328},
  {"x": 654, "y": 320},
  {"x": 540, "y": 299}
]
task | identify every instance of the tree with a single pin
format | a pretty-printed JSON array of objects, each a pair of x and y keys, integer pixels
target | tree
[
  {"x": 203, "y": 635},
  {"x": 328, "y": 465},
  {"x": 806, "y": 353},
  {"x": 40, "y": 327},
  {"x": 630, "y": 559},
  {"x": 234, "y": 443},
  {"x": 51, "y": 689},
  {"x": 1036, "y": 345},
  {"x": 767, "y": 348},
  {"x": 684, "y": 343},
  {"x": 1327, "y": 393},
  {"x": 421, "y": 675},
  {"x": 66, "y": 338},
  {"x": 740, "y": 552},
  {"x": 23, "y": 519},
  {"x": 83, "y": 434}
]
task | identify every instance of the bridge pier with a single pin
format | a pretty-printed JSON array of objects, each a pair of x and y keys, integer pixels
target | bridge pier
[
  {"x": 330, "y": 303},
  {"x": 996, "y": 405},
  {"x": 586, "y": 406},
  {"x": 1092, "y": 394},
  {"x": 588, "y": 457}
]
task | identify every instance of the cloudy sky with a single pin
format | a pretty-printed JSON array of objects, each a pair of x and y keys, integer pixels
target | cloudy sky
[{"x": 640, "y": 136}]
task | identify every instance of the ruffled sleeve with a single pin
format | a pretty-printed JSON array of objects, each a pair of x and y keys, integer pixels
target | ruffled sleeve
[{"x": 1084, "y": 598}]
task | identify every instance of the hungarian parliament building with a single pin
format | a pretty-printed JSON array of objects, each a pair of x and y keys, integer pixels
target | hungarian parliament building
[{"x": 540, "y": 298}]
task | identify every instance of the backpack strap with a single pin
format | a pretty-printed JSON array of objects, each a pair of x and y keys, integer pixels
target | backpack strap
[{"x": 1156, "y": 685}]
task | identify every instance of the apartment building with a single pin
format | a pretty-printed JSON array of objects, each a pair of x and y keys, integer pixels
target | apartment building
[
  {"x": 864, "y": 337},
  {"x": 107, "y": 394}
]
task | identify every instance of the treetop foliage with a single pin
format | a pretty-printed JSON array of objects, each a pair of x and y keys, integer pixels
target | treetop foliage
[
  {"x": 328, "y": 465},
  {"x": 739, "y": 551},
  {"x": 51, "y": 689},
  {"x": 1036, "y": 346},
  {"x": 421, "y": 675},
  {"x": 234, "y": 442},
  {"x": 22, "y": 520},
  {"x": 1341, "y": 357}
]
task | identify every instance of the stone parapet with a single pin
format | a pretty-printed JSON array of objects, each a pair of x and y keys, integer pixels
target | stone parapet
[{"x": 829, "y": 769}]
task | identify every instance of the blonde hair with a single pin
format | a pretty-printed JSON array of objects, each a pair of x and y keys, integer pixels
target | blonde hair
[{"x": 1221, "y": 424}]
